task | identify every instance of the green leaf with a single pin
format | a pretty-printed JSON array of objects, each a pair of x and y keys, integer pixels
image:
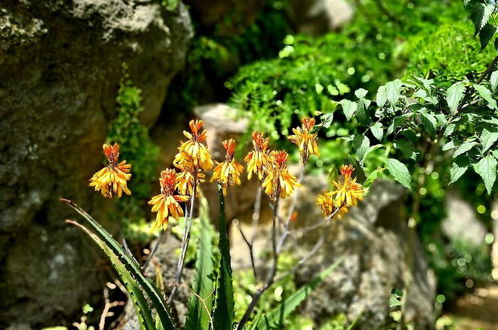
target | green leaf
[
  {"x": 224, "y": 306},
  {"x": 131, "y": 265},
  {"x": 198, "y": 316},
  {"x": 448, "y": 146},
  {"x": 393, "y": 91},
  {"x": 381, "y": 96},
  {"x": 407, "y": 148},
  {"x": 449, "y": 129},
  {"x": 486, "y": 168},
  {"x": 486, "y": 94},
  {"x": 494, "y": 80},
  {"x": 274, "y": 319},
  {"x": 142, "y": 309},
  {"x": 361, "y": 93},
  {"x": 349, "y": 108},
  {"x": 486, "y": 34},
  {"x": 395, "y": 298},
  {"x": 399, "y": 171},
  {"x": 429, "y": 122},
  {"x": 488, "y": 138},
  {"x": 372, "y": 176},
  {"x": 327, "y": 119},
  {"x": 454, "y": 96},
  {"x": 458, "y": 168},
  {"x": 464, "y": 147},
  {"x": 361, "y": 143},
  {"x": 480, "y": 15},
  {"x": 377, "y": 131}
]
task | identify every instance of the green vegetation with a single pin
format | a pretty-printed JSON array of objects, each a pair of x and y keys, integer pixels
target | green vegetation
[{"x": 138, "y": 149}]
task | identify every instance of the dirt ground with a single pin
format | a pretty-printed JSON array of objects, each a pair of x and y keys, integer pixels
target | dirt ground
[{"x": 478, "y": 310}]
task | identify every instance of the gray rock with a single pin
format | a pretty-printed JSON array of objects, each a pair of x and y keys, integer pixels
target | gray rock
[
  {"x": 372, "y": 238},
  {"x": 462, "y": 222},
  {"x": 60, "y": 67},
  {"x": 164, "y": 261},
  {"x": 317, "y": 17}
]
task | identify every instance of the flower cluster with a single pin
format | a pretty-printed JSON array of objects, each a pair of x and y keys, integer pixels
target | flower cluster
[
  {"x": 228, "y": 172},
  {"x": 181, "y": 184},
  {"x": 305, "y": 140},
  {"x": 167, "y": 202},
  {"x": 112, "y": 180},
  {"x": 347, "y": 193}
]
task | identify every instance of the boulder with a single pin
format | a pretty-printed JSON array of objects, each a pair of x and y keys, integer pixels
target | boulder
[
  {"x": 372, "y": 240},
  {"x": 461, "y": 222},
  {"x": 317, "y": 17},
  {"x": 60, "y": 68}
]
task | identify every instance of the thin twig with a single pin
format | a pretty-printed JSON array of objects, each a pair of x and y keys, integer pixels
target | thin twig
[
  {"x": 154, "y": 249},
  {"x": 254, "y": 226},
  {"x": 250, "y": 246},
  {"x": 208, "y": 312},
  {"x": 185, "y": 242},
  {"x": 307, "y": 257},
  {"x": 107, "y": 306},
  {"x": 291, "y": 210},
  {"x": 271, "y": 275}
]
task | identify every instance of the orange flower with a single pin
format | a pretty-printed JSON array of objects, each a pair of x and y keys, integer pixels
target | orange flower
[
  {"x": 257, "y": 159},
  {"x": 166, "y": 204},
  {"x": 228, "y": 172},
  {"x": 348, "y": 192},
  {"x": 112, "y": 179},
  {"x": 194, "y": 149},
  {"x": 330, "y": 206},
  {"x": 278, "y": 181},
  {"x": 305, "y": 140}
]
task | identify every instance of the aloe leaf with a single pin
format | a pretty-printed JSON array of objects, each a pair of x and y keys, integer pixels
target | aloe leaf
[
  {"x": 224, "y": 310},
  {"x": 274, "y": 319},
  {"x": 198, "y": 316},
  {"x": 150, "y": 289},
  {"x": 142, "y": 309}
]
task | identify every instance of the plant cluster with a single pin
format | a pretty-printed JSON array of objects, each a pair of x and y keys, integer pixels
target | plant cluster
[
  {"x": 138, "y": 149},
  {"x": 309, "y": 72},
  {"x": 212, "y": 304}
]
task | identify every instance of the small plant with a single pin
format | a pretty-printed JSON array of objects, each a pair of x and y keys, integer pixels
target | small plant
[{"x": 212, "y": 303}]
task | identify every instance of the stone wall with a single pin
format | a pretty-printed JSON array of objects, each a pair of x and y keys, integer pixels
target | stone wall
[{"x": 60, "y": 68}]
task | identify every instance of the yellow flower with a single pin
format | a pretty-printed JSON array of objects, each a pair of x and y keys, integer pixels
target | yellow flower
[
  {"x": 348, "y": 192},
  {"x": 278, "y": 180},
  {"x": 195, "y": 149},
  {"x": 166, "y": 204},
  {"x": 331, "y": 206},
  {"x": 305, "y": 140},
  {"x": 228, "y": 172},
  {"x": 257, "y": 159},
  {"x": 185, "y": 179},
  {"x": 112, "y": 180}
]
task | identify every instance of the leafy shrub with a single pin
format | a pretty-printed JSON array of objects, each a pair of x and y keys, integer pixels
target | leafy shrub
[{"x": 448, "y": 52}]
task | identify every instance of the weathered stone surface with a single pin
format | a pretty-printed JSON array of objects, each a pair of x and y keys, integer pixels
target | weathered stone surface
[
  {"x": 223, "y": 122},
  {"x": 317, "y": 17},
  {"x": 60, "y": 67},
  {"x": 373, "y": 241},
  {"x": 164, "y": 261}
]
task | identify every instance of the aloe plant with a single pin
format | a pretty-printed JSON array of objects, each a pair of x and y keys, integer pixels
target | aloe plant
[{"x": 211, "y": 305}]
